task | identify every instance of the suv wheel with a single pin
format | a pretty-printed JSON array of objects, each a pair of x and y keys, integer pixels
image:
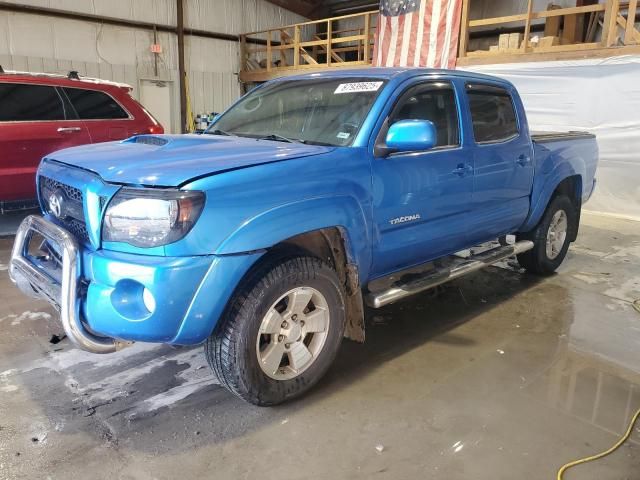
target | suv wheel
[{"x": 281, "y": 332}]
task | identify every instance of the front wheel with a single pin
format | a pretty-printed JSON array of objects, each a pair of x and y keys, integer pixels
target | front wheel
[
  {"x": 281, "y": 332},
  {"x": 551, "y": 237}
]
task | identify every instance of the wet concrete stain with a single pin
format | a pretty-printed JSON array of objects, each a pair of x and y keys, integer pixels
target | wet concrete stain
[{"x": 498, "y": 375}]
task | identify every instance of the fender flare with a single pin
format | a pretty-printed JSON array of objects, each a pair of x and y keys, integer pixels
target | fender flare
[
  {"x": 285, "y": 221},
  {"x": 551, "y": 180}
]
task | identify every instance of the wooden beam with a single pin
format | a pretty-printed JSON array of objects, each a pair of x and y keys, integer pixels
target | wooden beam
[
  {"x": 630, "y": 32},
  {"x": 569, "y": 11},
  {"x": 550, "y": 56},
  {"x": 350, "y": 38},
  {"x": 296, "y": 45},
  {"x": 464, "y": 29},
  {"x": 498, "y": 20},
  {"x": 269, "y": 53},
  {"x": 365, "y": 43},
  {"x": 283, "y": 55},
  {"x": 536, "y": 15},
  {"x": 610, "y": 25},
  {"x": 328, "y": 47},
  {"x": 527, "y": 26}
]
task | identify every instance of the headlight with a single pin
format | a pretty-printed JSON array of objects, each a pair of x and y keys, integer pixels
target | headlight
[{"x": 151, "y": 218}]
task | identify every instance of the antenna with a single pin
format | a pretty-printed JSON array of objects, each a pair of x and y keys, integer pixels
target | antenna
[{"x": 73, "y": 75}]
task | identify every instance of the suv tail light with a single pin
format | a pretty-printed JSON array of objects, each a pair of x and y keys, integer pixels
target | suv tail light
[{"x": 155, "y": 129}]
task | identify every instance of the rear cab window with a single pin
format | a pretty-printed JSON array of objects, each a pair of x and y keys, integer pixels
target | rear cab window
[
  {"x": 493, "y": 114},
  {"x": 21, "y": 102},
  {"x": 94, "y": 105}
]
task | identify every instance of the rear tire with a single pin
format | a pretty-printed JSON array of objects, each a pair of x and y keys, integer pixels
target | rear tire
[
  {"x": 551, "y": 237},
  {"x": 281, "y": 331}
]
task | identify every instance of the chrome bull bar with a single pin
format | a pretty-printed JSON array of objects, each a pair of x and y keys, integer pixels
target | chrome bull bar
[{"x": 38, "y": 282}]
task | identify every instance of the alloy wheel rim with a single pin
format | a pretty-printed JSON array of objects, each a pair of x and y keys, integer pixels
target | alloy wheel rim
[
  {"x": 292, "y": 333},
  {"x": 557, "y": 234}
]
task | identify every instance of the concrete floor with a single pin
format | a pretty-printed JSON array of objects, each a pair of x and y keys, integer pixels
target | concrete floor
[{"x": 500, "y": 376}]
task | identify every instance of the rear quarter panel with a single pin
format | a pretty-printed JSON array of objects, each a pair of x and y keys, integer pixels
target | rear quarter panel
[
  {"x": 139, "y": 121},
  {"x": 555, "y": 161}
]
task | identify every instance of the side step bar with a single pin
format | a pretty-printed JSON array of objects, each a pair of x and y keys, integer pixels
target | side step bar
[{"x": 457, "y": 268}]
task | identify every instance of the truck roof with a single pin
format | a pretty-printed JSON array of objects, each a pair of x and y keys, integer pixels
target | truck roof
[{"x": 390, "y": 73}]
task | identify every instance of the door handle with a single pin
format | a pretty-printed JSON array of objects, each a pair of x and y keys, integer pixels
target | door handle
[
  {"x": 462, "y": 169},
  {"x": 523, "y": 160},
  {"x": 69, "y": 129}
]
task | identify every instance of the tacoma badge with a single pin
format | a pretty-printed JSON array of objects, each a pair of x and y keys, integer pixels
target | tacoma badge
[{"x": 407, "y": 218}]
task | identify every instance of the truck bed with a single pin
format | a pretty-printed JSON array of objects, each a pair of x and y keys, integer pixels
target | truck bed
[{"x": 544, "y": 137}]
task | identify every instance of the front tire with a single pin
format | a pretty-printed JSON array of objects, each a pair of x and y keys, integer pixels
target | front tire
[
  {"x": 551, "y": 237},
  {"x": 281, "y": 332}
]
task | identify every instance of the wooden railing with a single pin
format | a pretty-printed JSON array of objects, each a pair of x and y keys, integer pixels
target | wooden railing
[
  {"x": 581, "y": 25},
  {"x": 594, "y": 30},
  {"x": 315, "y": 44}
]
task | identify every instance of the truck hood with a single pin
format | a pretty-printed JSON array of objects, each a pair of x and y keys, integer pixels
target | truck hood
[{"x": 172, "y": 160}]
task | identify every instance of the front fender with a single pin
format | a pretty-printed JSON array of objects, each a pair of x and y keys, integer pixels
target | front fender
[{"x": 285, "y": 221}]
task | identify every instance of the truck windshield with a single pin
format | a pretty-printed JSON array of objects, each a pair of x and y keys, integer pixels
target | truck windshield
[{"x": 318, "y": 111}]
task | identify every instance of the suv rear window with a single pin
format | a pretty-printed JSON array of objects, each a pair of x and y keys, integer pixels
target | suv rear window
[
  {"x": 93, "y": 105},
  {"x": 492, "y": 113},
  {"x": 23, "y": 103}
]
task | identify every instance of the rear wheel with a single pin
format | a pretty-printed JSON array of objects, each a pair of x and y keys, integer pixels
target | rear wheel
[
  {"x": 281, "y": 332},
  {"x": 550, "y": 237}
]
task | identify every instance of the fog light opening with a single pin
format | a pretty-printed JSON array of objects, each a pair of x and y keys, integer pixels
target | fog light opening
[{"x": 149, "y": 301}]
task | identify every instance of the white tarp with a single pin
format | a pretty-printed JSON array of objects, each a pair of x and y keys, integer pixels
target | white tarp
[{"x": 598, "y": 95}]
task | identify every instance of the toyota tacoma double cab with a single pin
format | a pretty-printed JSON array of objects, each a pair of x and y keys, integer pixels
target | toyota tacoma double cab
[{"x": 310, "y": 198}]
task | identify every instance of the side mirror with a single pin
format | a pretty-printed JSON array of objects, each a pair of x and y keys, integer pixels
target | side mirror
[{"x": 411, "y": 136}]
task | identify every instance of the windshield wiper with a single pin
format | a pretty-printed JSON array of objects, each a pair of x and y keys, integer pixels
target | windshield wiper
[
  {"x": 278, "y": 138},
  {"x": 217, "y": 131}
]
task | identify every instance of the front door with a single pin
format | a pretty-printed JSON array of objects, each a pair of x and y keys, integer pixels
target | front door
[{"x": 421, "y": 199}]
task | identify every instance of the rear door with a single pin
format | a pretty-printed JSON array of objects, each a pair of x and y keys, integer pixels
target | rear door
[
  {"x": 105, "y": 118},
  {"x": 33, "y": 123},
  {"x": 422, "y": 199},
  {"x": 502, "y": 160}
]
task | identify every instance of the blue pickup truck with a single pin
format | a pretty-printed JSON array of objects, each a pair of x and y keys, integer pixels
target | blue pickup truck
[{"x": 310, "y": 198}]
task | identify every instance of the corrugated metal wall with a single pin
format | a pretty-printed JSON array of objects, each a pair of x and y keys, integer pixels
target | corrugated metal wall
[{"x": 54, "y": 45}]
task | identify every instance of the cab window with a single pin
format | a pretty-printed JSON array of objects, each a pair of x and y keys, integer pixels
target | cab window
[
  {"x": 492, "y": 113},
  {"x": 435, "y": 102}
]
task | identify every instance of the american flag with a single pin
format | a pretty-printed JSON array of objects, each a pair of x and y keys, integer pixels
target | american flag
[{"x": 417, "y": 33}]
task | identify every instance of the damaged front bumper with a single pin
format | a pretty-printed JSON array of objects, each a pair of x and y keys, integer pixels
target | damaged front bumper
[{"x": 51, "y": 271}]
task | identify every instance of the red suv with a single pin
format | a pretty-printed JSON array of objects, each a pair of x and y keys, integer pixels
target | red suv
[{"x": 41, "y": 113}]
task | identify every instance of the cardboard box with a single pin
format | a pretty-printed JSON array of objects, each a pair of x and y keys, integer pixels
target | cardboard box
[
  {"x": 503, "y": 41},
  {"x": 546, "y": 42},
  {"x": 515, "y": 39}
]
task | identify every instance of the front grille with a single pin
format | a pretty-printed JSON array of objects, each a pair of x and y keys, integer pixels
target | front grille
[
  {"x": 51, "y": 185},
  {"x": 71, "y": 211}
]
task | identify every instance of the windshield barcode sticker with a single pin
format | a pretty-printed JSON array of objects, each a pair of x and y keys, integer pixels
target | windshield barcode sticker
[{"x": 358, "y": 87}]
